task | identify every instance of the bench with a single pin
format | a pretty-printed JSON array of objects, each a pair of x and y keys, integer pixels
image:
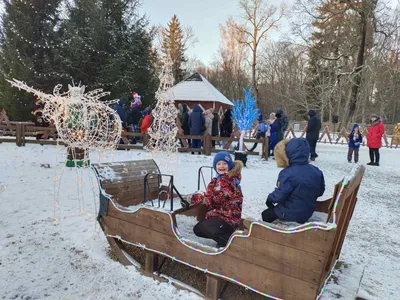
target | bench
[{"x": 291, "y": 263}]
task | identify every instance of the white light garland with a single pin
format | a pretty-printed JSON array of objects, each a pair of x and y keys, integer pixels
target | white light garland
[
  {"x": 163, "y": 130},
  {"x": 81, "y": 120}
]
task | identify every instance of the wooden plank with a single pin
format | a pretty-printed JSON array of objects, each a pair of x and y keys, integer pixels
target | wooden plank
[
  {"x": 264, "y": 280},
  {"x": 154, "y": 220},
  {"x": 323, "y": 206},
  {"x": 316, "y": 241},
  {"x": 282, "y": 259},
  {"x": 213, "y": 287},
  {"x": 151, "y": 263}
]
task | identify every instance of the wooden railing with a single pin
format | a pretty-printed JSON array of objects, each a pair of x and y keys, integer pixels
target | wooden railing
[{"x": 22, "y": 133}]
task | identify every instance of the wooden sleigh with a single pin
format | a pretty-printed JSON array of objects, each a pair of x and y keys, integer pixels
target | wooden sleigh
[{"x": 276, "y": 262}]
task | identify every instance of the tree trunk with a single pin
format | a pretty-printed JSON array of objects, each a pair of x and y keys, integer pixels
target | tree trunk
[
  {"x": 242, "y": 134},
  {"x": 357, "y": 78},
  {"x": 253, "y": 74}
]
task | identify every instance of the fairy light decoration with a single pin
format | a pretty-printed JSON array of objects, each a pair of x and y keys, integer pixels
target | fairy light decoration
[
  {"x": 164, "y": 130},
  {"x": 237, "y": 234},
  {"x": 81, "y": 120}
]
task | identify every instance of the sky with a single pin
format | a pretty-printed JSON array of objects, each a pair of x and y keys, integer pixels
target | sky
[{"x": 204, "y": 16}]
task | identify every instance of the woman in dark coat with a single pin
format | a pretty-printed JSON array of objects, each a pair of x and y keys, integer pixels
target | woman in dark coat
[
  {"x": 215, "y": 125},
  {"x": 196, "y": 125},
  {"x": 226, "y": 126}
]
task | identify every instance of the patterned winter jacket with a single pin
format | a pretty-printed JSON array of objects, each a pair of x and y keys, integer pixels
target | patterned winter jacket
[{"x": 223, "y": 198}]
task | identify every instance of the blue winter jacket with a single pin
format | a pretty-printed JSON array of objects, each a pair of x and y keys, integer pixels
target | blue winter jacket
[
  {"x": 262, "y": 127},
  {"x": 120, "y": 109},
  {"x": 273, "y": 139},
  {"x": 196, "y": 121},
  {"x": 298, "y": 186},
  {"x": 355, "y": 143}
]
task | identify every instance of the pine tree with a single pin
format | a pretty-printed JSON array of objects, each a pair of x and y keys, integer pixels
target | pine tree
[
  {"x": 173, "y": 46},
  {"x": 110, "y": 50},
  {"x": 29, "y": 52}
]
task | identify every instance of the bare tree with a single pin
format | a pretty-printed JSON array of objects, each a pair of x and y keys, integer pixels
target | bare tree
[{"x": 260, "y": 17}]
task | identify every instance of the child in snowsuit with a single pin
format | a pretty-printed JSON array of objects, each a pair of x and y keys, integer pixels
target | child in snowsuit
[
  {"x": 223, "y": 199},
  {"x": 261, "y": 130},
  {"x": 299, "y": 184},
  {"x": 355, "y": 140}
]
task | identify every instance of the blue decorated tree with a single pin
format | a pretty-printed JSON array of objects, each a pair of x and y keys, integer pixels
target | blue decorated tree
[{"x": 244, "y": 114}]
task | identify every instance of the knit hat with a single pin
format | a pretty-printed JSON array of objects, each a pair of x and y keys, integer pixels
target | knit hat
[
  {"x": 260, "y": 118},
  {"x": 224, "y": 156}
]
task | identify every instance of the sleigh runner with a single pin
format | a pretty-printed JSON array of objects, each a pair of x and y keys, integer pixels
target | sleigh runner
[{"x": 276, "y": 262}]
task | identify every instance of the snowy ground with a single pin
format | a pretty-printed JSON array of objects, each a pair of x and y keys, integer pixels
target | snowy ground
[{"x": 53, "y": 253}]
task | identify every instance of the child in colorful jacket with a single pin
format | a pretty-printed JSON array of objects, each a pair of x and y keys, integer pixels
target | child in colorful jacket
[
  {"x": 223, "y": 199},
  {"x": 355, "y": 140}
]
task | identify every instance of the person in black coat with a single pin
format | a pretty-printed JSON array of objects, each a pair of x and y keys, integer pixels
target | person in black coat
[
  {"x": 215, "y": 125},
  {"x": 196, "y": 125},
  {"x": 313, "y": 128},
  {"x": 184, "y": 119},
  {"x": 226, "y": 126},
  {"x": 279, "y": 125},
  {"x": 120, "y": 109}
]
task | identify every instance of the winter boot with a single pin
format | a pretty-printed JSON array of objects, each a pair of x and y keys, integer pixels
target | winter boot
[{"x": 371, "y": 163}]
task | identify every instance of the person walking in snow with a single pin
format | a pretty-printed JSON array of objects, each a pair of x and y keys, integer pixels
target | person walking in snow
[
  {"x": 299, "y": 184},
  {"x": 223, "y": 200},
  {"x": 355, "y": 140},
  {"x": 313, "y": 128},
  {"x": 374, "y": 139}
]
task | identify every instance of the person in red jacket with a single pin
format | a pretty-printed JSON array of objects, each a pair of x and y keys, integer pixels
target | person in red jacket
[
  {"x": 146, "y": 123},
  {"x": 223, "y": 199},
  {"x": 374, "y": 139}
]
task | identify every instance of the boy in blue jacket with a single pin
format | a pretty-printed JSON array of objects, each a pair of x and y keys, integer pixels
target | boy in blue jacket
[
  {"x": 355, "y": 140},
  {"x": 299, "y": 184}
]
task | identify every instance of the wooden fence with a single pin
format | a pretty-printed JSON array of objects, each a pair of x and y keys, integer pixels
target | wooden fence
[
  {"x": 22, "y": 133},
  {"x": 342, "y": 137}
]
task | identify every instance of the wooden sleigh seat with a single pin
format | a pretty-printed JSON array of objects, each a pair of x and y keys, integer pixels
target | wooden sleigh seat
[{"x": 276, "y": 262}]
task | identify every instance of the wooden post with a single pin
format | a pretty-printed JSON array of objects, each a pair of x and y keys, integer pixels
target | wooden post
[
  {"x": 18, "y": 134},
  {"x": 23, "y": 128},
  {"x": 207, "y": 144},
  {"x": 265, "y": 148},
  {"x": 213, "y": 287},
  {"x": 151, "y": 263},
  {"x": 145, "y": 139}
]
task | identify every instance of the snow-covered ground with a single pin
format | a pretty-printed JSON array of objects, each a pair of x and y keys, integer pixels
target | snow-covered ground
[{"x": 55, "y": 250}]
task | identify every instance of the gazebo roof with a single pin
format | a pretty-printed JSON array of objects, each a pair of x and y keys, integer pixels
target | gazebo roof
[{"x": 197, "y": 88}]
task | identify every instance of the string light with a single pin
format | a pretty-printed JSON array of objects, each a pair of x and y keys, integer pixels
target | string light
[
  {"x": 81, "y": 120},
  {"x": 164, "y": 130}
]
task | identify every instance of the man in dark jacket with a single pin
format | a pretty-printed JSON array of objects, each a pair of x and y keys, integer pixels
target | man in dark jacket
[
  {"x": 196, "y": 125},
  {"x": 299, "y": 184},
  {"x": 279, "y": 124},
  {"x": 285, "y": 119},
  {"x": 120, "y": 109},
  {"x": 313, "y": 128},
  {"x": 215, "y": 127}
]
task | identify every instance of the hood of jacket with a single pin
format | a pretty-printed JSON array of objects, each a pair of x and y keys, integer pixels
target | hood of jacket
[
  {"x": 197, "y": 108},
  {"x": 121, "y": 102},
  {"x": 354, "y": 127},
  {"x": 298, "y": 151}
]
